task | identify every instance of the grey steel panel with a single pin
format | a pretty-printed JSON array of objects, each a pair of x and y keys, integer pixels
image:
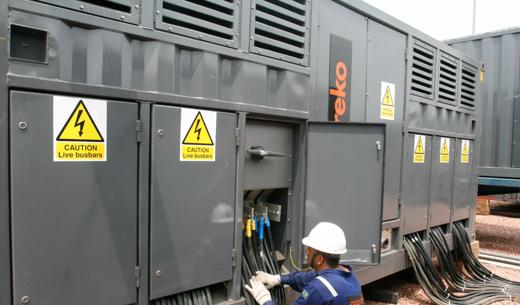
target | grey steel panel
[
  {"x": 102, "y": 57},
  {"x": 5, "y": 245},
  {"x": 192, "y": 208},
  {"x": 516, "y": 133},
  {"x": 463, "y": 197},
  {"x": 271, "y": 172},
  {"x": 423, "y": 70},
  {"x": 345, "y": 183},
  {"x": 74, "y": 224},
  {"x": 215, "y": 21},
  {"x": 500, "y": 90},
  {"x": 416, "y": 187},
  {"x": 123, "y": 10},
  {"x": 386, "y": 62},
  {"x": 441, "y": 186},
  {"x": 336, "y": 19}
]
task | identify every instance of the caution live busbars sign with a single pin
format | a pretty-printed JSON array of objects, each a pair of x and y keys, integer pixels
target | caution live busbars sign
[
  {"x": 198, "y": 135},
  {"x": 445, "y": 150},
  {"x": 419, "y": 148},
  {"x": 79, "y": 129},
  {"x": 387, "y": 101},
  {"x": 340, "y": 63}
]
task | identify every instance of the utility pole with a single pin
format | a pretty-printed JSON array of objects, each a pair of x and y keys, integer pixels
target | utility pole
[{"x": 474, "y": 16}]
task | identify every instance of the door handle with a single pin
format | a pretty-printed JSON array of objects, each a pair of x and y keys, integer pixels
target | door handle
[{"x": 258, "y": 153}]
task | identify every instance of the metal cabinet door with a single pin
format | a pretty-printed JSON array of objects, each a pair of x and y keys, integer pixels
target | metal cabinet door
[
  {"x": 386, "y": 67},
  {"x": 441, "y": 183},
  {"x": 416, "y": 187},
  {"x": 335, "y": 19},
  {"x": 192, "y": 207},
  {"x": 345, "y": 184},
  {"x": 74, "y": 224},
  {"x": 463, "y": 181}
]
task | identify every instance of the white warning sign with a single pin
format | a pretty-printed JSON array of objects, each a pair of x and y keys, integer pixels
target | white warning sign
[
  {"x": 464, "y": 152},
  {"x": 79, "y": 129},
  {"x": 387, "y": 101},
  {"x": 418, "y": 150},
  {"x": 445, "y": 150},
  {"x": 198, "y": 135}
]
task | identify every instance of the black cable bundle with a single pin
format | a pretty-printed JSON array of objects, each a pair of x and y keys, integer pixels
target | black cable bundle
[
  {"x": 195, "y": 297},
  {"x": 259, "y": 255},
  {"x": 448, "y": 287},
  {"x": 471, "y": 264}
]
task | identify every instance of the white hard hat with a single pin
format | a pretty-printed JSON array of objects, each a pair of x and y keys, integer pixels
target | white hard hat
[{"x": 326, "y": 237}]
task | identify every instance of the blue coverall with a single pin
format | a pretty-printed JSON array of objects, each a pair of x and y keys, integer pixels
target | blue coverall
[{"x": 327, "y": 287}]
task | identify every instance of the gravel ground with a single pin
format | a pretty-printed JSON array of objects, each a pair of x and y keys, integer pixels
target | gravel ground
[{"x": 494, "y": 233}]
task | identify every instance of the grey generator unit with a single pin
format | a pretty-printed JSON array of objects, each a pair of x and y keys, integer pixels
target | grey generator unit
[
  {"x": 137, "y": 136},
  {"x": 499, "y": 168}
]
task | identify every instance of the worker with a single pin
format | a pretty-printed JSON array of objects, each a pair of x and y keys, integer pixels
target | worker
[{"x": 328, "y": 284}]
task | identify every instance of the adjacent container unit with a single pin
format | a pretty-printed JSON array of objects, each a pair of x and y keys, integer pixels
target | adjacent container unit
[
  {"x": 139, "y": 134},
  {"x": 500, "y": 141}
]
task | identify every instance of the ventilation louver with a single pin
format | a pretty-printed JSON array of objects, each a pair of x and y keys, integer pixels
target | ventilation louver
[
  {"x": 280, "y": 29},
  {"x": 447, "y": 86},
  {"x": 468, "y": 88},
  {"x": 211, "y": 20},
  {"x": 123, "y": 10},
  {"x": 423, "y": 63}
]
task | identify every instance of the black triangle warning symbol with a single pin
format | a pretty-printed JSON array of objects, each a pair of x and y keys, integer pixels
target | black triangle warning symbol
[
  {"x": 80, "y": 126},
  {"x": 419, "y": 149},
  {"x": 387, "y": 99},
  {"x": 198, "y": 133},
  {"x": 444, "y": 150}
]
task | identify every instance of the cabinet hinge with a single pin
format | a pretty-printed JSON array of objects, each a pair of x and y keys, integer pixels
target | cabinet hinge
[
  {"x": 137, "y": 274},
  {"x": 139, "y": 130},
  {"x": 237, "y": 136},
  {"x": 233, "y": 257}
]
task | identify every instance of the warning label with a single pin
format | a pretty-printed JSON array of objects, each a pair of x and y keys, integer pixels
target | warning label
[
  {"x": 464, "y": 153},
  {"x": 445, "y": 150},
  {"x": 387, "y": 101},
  {"x": 198, "y": 135},
  {"x": 418, "y": 153},
  {"x": 79, "y": 129}
]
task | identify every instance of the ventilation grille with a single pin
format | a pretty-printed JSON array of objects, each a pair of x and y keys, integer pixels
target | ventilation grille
[
  {"x": 423, "y": 59},
  {"x": 280, "y": 29},
  {"x": 123, "y": 10},
  {"x": 447, "y": 89},
  {"x": 211, "y": 20},
  {"x": 468, "y": 88}
]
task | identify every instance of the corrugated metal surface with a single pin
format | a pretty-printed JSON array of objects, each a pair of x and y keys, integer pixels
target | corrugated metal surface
[{"x": 500, "y": 53}]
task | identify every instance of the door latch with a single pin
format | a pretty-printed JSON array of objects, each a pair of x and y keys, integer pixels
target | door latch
[
  {"x": 378, "y": 146},
  {"x": 258, "y": 153}
]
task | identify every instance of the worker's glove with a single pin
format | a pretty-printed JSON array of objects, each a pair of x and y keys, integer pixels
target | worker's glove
[
  {"x": 269, "y": 280},
  {"x": 258, "y": 291}
]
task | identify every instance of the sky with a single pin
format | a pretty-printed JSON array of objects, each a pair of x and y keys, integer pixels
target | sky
[{"x": 446, "y": 19}]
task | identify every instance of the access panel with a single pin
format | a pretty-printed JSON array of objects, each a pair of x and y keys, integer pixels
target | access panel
[
  {"x": 344, "y": 184},
  {"x": 441, "y": 188},
  {"x": 416, "y": 183},
  {"x": 73, "y": 200},
  {"x": 192, "y": 198},
  {"x": 462, "y": 196}
]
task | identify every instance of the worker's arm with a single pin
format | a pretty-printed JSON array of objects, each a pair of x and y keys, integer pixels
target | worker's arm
[{"x": 298, "y": 280}]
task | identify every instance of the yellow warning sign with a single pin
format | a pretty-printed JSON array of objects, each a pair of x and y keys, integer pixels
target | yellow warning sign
[
  {"x": 445, "y": 150},
  {"x": 418, "y": 154},
  {"x": 198, "y": 131},
  {"x": 387, "y": 101},
  {"x": 79, "y": 132},
  {"x": 464, "y": 154}
]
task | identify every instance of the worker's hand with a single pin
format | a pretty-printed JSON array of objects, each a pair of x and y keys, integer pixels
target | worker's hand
[
  {"x": 269, "y": 280},
  {"x": 258, "y": 291}
]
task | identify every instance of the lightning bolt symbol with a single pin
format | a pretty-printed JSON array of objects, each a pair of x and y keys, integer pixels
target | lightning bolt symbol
[
  {"x": 78, "y": 123},
  {"x": 197, "y": 129}
]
